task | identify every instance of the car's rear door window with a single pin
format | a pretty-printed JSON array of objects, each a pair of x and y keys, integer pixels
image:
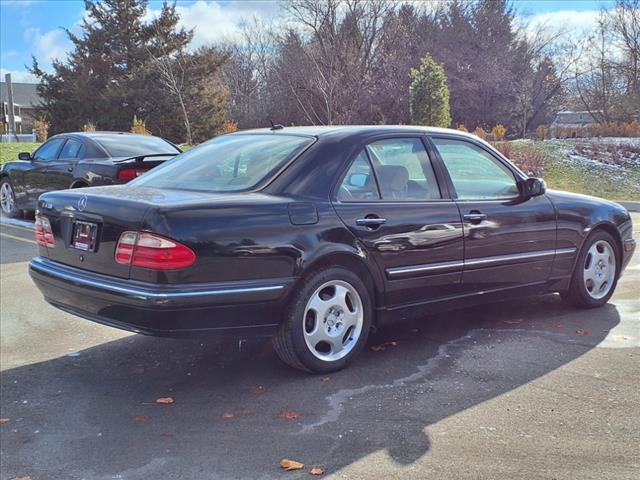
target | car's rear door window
[
  {"x": 475, "y": 174},
  {"x": 71, "y": 149},
  {"x": 226, "y": 164},
  {"x": 359, "y": 184}
]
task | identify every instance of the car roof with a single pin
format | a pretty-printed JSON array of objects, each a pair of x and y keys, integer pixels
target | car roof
[
  {"x": 320, "y": 131},
  {"x": 100, "y": 134}
]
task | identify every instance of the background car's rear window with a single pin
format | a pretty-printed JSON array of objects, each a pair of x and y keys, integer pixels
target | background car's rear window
[
  {"x": 132, "y": 146},
  {"x": 226, "y": 164}
]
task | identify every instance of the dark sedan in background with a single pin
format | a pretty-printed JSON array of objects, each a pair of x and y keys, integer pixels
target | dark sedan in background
[
  {"x": 316, "y": 235},
  {"x": 76, "y": 160}
]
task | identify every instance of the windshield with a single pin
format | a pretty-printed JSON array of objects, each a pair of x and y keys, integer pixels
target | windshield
[
  {"x": 226, "y": 164},
  {"x": 134, "y": 145}
]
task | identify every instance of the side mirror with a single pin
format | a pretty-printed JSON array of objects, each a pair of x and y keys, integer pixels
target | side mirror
[
  {"x": 533, "y": 187},
  {"x": 26, "y": 156},
  {"x": 358, "y": 179}
]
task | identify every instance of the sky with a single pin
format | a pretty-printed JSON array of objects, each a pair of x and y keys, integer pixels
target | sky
[{"x": 35, "y": 27}]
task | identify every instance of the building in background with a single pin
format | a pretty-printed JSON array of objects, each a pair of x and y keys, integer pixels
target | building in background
[
  {"x": 573, "y": 124},
  {"x": 25, "y": 99}
]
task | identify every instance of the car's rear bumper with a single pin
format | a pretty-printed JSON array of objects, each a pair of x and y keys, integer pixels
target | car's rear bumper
[{"x": 240, "y": 309}]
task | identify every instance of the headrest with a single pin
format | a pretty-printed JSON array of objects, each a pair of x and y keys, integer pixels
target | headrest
[{"x": 393, "y": 178}]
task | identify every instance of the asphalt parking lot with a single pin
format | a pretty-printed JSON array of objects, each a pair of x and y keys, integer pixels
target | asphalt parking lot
[{"x": 522, "y": 389}]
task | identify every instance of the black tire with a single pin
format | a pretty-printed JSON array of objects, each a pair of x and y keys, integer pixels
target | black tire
[
  {"x": 289, "y": 340},
  {"x": 577, "y": 294},
  {"x": 13, "y": 212}
]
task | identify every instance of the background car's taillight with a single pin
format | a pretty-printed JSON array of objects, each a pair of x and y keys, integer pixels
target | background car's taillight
[
  {"x": 127, "y": 174},
  {"x": 44, "y": 234},
  {"x": 148, "y": 250}
]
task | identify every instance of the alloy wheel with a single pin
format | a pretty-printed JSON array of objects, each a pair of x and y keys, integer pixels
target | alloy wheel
[
  {"x": 333, "y": 320},
  {"x": 599, "y": 269}
]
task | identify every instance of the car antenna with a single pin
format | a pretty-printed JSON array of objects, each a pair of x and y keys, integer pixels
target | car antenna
[{"x": 276, "y": 126}]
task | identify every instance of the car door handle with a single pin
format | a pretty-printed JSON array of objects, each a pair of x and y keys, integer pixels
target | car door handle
[
  {"x": 371, "y": 222},
  {"x": 474, "y": 217}
]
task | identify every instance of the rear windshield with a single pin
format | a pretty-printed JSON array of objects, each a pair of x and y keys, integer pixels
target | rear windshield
[
  {"x": 228, "y": 163},
  {"x": 133, "y": 146}
]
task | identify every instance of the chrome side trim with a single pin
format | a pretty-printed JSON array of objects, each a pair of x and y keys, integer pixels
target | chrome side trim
[
  {"x": 566, "y": 251},
  {"x": 430, "y": 268},
  {"x": 444, "y": 267},
  {"x": 39, "y": 266},
  {"x": 508, "y": 258}
]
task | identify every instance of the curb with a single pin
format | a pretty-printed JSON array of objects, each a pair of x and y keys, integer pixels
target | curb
[{"x": 17, "y": 223}]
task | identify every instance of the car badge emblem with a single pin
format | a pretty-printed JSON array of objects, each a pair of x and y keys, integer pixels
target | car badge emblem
[{"x": 82, "y": 203}]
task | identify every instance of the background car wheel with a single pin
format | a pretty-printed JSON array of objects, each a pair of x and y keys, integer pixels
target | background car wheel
[
  {"x": 8, "y": 199},
  {"x": 327, "y": 322},
  {"x": 596, "y": 272}
]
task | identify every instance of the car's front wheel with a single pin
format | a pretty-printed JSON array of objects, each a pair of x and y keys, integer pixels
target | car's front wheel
[
  {"x": 8, "y": 199},
  {"x": 327, "y": 322},
  {"x": 596, "y": 272}
]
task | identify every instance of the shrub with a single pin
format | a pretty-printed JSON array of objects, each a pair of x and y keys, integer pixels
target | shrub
[
  {"x": 480, "y": 133},
  {"x": 462, "y": 128},
  {"x": 139, "y": 126},
  {"x": 498, "y": 132},
  {"x": 542, "y": 131},
  {"x": 41, "y": 126},
  {"x": 504, "y": 148},
  {"x": 89, "y": 127},
  {"x": 229, "y": 126},
  {"x": 529, "y": 160}
]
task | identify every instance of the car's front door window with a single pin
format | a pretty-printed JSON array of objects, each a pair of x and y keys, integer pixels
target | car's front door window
[
  {"x": 48, "y": 151},
  {"x": 403, "y": 169},
  {"x": 476, "y": 175}
]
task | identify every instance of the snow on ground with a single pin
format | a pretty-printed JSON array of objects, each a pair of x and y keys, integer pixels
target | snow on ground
[{"x": 608, "y": 153}]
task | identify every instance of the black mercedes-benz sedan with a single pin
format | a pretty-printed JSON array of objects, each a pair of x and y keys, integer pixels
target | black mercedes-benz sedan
[
  {"x": 76, "y": 160},
  {"x": 316, "y": 235}
]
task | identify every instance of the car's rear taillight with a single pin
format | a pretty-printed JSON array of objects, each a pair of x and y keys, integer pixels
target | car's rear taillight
[
  {"x": 148, "y": 250},
  {"x": 127, "y": 174},
  {"x": 44, "y": 234}
]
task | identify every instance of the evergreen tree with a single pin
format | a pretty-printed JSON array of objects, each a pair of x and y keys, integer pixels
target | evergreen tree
[
  {"x": 101, "y": 80},
  {"x": 429, "y": 95}
]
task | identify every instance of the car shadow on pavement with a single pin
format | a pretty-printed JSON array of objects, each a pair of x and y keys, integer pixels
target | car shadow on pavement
[{"x": 238, "y": 411}]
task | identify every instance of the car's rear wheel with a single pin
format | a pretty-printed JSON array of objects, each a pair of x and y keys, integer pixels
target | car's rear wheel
[
  {"x": 8, "y": 199},
  {"x": 596, "y": 272},
  {"x": 327, "y": 322}
]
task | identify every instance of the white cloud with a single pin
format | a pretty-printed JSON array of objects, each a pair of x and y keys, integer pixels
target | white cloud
[
  {"x": 213, "y": 22},
  {"x": 48, "y": 46},
  {"x": 574, "y": 23},
  {"x": 20, "y": 76}
]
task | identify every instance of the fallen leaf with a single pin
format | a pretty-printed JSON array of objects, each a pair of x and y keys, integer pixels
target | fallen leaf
[
  {"x": 383, "y": 346},
  {"x": 228, "y": 415},
  {"x": 20, "y": 478},
  {"x": 325, "y": 379},
  {"x": 259, "y": 390},
  {"x": 166, "y": 434},
  {"x": 514, "y": 322},
  {"x": 165, "y": 400},
  {"x": 317, "y": 471},
  {"x": 290, "y": 415},
  {"x": 289, "y": 465},
  {"x": 142, "y": 418},
  {"x": 136, "y": 371},
  {"x": 582, "y": 331},
  {"x": 4, "y": 420}
]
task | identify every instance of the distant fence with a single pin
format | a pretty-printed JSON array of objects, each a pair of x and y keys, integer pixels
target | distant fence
[{"x": 19, "y": 138}]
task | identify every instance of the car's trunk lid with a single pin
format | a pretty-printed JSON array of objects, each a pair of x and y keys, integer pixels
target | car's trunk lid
[{"x": 106, "y": 211}]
